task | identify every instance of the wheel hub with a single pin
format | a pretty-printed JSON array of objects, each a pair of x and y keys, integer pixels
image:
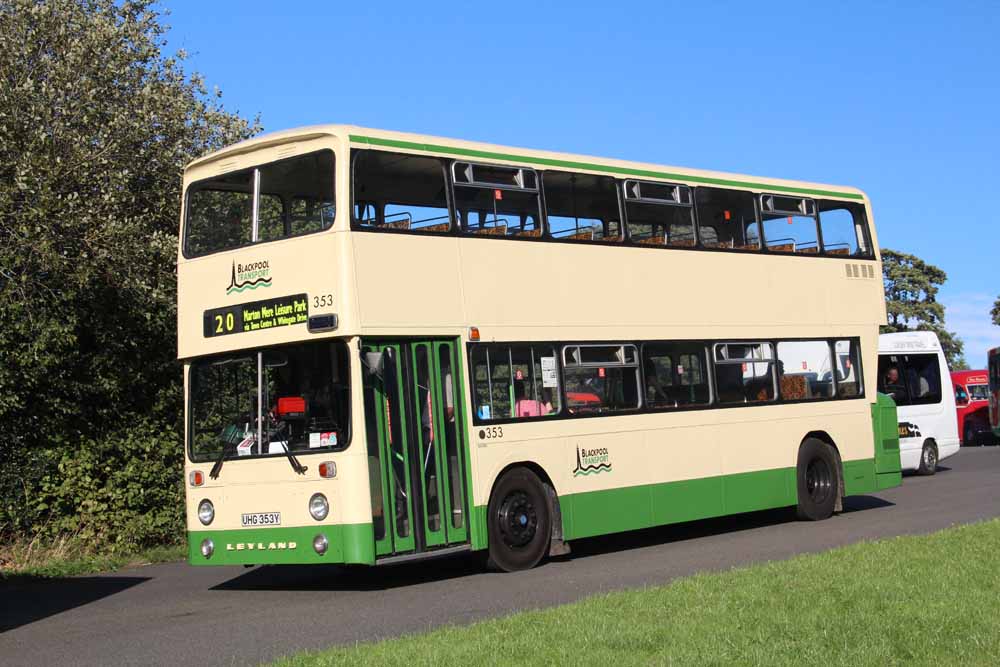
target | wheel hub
[
  {"x": 819, "y": 480},
  {"x": 518, "y": 519}
]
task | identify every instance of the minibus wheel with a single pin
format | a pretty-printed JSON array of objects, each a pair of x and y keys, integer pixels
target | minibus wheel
[
  {"x": 818, "y": 480},
  {"x": 928, "y": 459},
  {"x": 518, "y": 521}
]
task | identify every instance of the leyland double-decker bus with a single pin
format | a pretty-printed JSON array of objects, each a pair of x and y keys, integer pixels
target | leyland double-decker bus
[{"x": 398, "y": 346}]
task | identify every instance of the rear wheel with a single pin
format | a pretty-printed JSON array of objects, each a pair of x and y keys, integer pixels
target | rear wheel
[
  {"x": 928, "y": 459},
  {"x": 519, "y": 522},
  {"x": 818, "y": 480}
]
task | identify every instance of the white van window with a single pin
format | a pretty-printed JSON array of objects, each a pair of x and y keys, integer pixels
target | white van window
[{"x": 910, "y": 379}]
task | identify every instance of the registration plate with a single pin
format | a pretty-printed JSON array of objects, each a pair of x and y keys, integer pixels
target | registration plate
[{"x": 261, "y": 519}]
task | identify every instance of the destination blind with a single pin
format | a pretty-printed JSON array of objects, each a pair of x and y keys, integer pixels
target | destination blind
[{"x": 281, "y": 311}]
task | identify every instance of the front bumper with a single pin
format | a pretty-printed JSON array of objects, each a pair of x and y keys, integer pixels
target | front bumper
[{"x": 351, "y": 543}]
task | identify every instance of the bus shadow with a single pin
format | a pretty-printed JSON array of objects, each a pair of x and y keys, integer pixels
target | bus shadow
[
  {"x": 353, "y": 578},
  {"x": 386, "y": 577},
  {"x": 30, "y": 599},
  {"x": 681, "y": 532}
]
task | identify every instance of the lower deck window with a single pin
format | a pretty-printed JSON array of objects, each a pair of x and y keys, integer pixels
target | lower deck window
[
  {"x": 515, "y": 381},
  {"x": 269, "y": 402},
  {"x": 744, "y": 372},
  {"x": 805, "y": 372},
  {"x": 601, "y": 378},
  {"x": 675, "y": 375}
]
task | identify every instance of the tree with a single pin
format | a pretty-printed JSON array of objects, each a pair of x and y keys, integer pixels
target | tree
[
  {"x": 96, "y": 124},
  {"x": 911, "y": 287},
  {"x": 995, "y": 313}
]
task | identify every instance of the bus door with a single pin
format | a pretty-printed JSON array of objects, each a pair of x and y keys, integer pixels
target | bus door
[{"x": 414, "y": 421}]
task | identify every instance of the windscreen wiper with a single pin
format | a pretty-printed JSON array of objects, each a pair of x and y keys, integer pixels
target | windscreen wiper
[
  {"x": 217, "y": 468},
  {"x": 296, "y": 466}
]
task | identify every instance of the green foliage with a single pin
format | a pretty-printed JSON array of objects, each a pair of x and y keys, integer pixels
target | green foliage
[
  {"x": 995, "y": 313},
  {"x": 96, "y": 125},
  {"x": 123, "y": 491},
  {"x": 911, "y": 287}
]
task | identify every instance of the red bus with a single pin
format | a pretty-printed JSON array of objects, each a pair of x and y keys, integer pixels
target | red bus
[
  {"x": 994, "y": 364},
  {"x": 972, "y": 402}
]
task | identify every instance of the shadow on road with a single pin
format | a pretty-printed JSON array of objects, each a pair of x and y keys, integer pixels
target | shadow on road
[
  {"x": 29, "y": 599},
  {"x": 363, "y": 578},
  {"x": 914, "y": 473},
  {"x": 861, "y": 503},
  {"x": 352, "y": 578}
]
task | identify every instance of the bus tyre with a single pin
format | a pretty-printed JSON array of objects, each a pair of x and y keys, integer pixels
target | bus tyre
[
  {"x": 518, "y": 521},
  {"x": 928, "y": 459},
  {"x": 818, "y": 480}
]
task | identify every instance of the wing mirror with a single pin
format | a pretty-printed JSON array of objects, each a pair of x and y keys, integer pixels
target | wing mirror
[{"x": 378, "y": 363}]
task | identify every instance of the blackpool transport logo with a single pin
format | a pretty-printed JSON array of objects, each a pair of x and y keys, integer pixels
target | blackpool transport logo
[
  {"x": 249, "y": 276},
  {"x": 592, "y": 461}
]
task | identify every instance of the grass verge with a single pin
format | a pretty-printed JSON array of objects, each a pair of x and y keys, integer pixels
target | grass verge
[
  {"x": 909, "y": 600},
  {"x": 67, "y": 557}
]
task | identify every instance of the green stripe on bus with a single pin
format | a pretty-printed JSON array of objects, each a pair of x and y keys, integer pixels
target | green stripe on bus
[
  {"x": 348, "y": 543},
  {"x": 609, "y": 511},
  {"x": 569, "y": 164}
]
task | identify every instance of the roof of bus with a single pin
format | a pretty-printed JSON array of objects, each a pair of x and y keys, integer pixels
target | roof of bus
[
  {"x": 493, "y": 152},
  {"x": 908, "y": 341},
  {"x": 970, "y": 376}
]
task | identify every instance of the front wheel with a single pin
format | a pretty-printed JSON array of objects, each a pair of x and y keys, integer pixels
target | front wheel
[
  {"x": 928, "y": 459},
  {"x": 518, "y": 521},
  {"x": 818, "y": 480}
]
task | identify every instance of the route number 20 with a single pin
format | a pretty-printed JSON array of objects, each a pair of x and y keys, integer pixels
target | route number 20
[{"x": 228, "y": 323}]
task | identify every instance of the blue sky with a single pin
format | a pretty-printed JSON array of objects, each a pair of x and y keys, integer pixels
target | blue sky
[{"x": 899, "y": 99}]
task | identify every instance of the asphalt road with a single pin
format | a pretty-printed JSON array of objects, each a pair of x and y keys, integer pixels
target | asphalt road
[{"x": 173, "y": 613}]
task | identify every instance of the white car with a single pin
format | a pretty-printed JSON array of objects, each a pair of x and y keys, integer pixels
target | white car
[{"x": 913, "y": 371}]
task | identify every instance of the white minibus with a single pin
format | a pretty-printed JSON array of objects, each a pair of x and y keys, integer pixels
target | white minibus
[{"x": 913, "y": 371}]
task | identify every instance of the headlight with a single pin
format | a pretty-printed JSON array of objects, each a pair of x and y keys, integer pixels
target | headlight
[
  {"x": 318, "y": 507},
  {"x": 206, "y": 512},
  {"x": 207, "y": 548}
]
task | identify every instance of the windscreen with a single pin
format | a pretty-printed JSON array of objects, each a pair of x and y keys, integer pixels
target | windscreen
[{"x": 299, "y": 392}]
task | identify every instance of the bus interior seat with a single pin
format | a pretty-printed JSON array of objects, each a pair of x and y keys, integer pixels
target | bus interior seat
[
  {"x": 495, "y": 230},
  {"x": 794, "y": 387},
  {"x": 582, "y": 235},
  {"x": 439, "y": 227},
  {"x": 530, "y": 233}
]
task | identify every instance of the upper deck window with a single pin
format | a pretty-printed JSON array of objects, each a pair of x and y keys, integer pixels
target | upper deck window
[
  {"x": 400, "y": 191},
  {"x": 659, "y": 213},
  {"x": 496, "y": 200},
  {"x": 845, "y": 231},
  {"x": 285, "y": 198},
  {"x": 581, "y": 207},
  {"x": 727, "y": 219},
  {"x": 789, "y": 224}
]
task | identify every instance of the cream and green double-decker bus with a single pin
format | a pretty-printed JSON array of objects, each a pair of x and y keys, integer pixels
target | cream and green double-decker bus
[{"x": 398, "y": 347}]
